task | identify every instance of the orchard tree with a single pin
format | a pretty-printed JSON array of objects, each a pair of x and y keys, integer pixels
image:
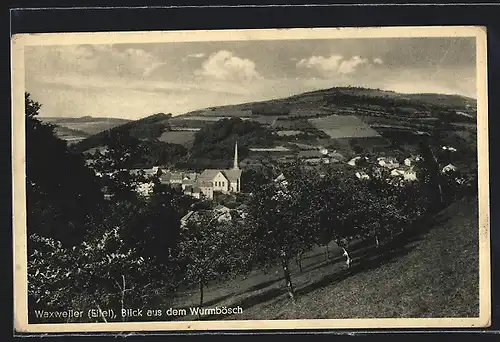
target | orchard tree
[
  {"x": 429, "y": 172},
  {"x": 280, "y": 217},
  {"x": 326, "y": 204},
  {"x": 350, "y": 214},
  {"x": 205, "y": 252}
]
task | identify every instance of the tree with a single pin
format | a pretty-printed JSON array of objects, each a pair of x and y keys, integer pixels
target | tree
[
  {"x": 252, "y": 180},
  {"x": 205, "y": 252},
  {"x": 429, "y": 169},
  {"x": 280, "y": 222},
  {"x": 63, "y": 194},
  {"x": 325, "y": 202}
]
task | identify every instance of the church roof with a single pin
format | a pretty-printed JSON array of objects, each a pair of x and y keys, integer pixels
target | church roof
[
  {"x": 209, "y": 174},
  {"x": 232, "y": 174}
]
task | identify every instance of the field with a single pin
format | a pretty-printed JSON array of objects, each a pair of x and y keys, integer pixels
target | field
[
  {"x": 87, "y": 124},
  {"x": 184, "y": 138},
  {"x": 337, "y": 126},
  {"x": 432, "y": 271},
  {"x": 285, "y": 133}
]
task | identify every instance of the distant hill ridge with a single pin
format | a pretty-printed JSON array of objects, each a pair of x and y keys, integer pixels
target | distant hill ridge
[{"x": 311, "y": 99}]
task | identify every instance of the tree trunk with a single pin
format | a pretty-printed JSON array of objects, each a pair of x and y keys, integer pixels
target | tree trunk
[
  {"x": 288, "y": 280},
  {"x": 201, "y": 297},
  {"x": 299, "y": 261},
  {"x": 440, "y": 190},
  {"x": 327, "y": 254},
  {"x": 123, "y": 296},
  {"x": 377, "y": 242},
  {"x": 347, "y": 257}
]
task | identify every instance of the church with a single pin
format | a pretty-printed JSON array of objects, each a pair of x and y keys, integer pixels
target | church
[{"x": 216, "y": 180}]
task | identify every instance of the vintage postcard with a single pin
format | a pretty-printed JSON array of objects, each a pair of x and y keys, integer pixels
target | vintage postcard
[{"x": 230, "y": 180}]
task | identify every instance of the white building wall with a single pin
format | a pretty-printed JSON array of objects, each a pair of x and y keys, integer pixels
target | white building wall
[
  {"x": 207, "y": 192},
  {"x": 220, "y": 183}
]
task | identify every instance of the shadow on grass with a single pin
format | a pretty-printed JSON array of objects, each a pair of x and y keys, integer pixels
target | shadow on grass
[
  {"x": 360, "y": 266},
  {"x": 218, "y": 299},
  {"x": 251, "y": 301},
  {"x": 263, "y": 285},
  {"x": 367, "y": 256}
]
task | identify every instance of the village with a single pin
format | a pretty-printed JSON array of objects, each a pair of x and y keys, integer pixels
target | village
[
  {"x": 211, "y": 182},
  {"x": 228, "y": 181}
]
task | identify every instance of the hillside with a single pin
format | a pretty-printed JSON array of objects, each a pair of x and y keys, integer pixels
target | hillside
[
  {"x": 333, "y": 100},
  {"x": 147, "y": 128},
  {"x": 430, "y": 272},
  {"x": 346, "y": 119},
  {"x": 76, "y": 129}
]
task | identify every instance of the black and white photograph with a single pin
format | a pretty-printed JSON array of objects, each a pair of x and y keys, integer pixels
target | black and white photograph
[{"x": 251, "y": 179}]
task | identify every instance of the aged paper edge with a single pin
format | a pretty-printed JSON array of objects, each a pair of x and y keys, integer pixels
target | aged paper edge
[{"x": 18, "y": 42}]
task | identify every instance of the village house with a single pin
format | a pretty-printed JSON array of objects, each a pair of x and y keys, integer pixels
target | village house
[
  {"x": 448, "y": 168},
  {"x": 410, "y": 161},
  {"x": 362, "y": 175},
  {"x": 389, "y": 163},
  {"x": 220, "y": 212},
  {"x": 313, "y": 157},
  {"x": 354, "y": 161},
  {"x": 335, "y": 157},
  {"x": 407, "y": 174}
]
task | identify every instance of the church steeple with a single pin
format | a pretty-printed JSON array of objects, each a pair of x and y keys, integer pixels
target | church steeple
[{"x": 235, "y": 164}]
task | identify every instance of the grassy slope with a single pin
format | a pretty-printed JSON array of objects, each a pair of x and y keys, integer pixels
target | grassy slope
[{"x": 435, "y": 274}]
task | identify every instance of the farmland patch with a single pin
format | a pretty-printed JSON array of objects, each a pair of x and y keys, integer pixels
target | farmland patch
[
  {"x": 184, "y": 138},
  {"x": 337, "y": 126}
]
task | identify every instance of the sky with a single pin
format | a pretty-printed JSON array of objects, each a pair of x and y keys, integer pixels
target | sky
[{"x": 136, "y": 80}]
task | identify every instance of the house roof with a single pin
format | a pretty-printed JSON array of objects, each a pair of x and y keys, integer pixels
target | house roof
[
  {"x": 176, "y": 177},
  {"x": 310, "y": 154},
  {"x": 165, "y": 177},
  {"x": 336, "y": 155},
  {"x": 187, "y": 216},
  {"x": 221, "y": 207},
  {"x": 190, "y": 175},
  {"x": 205, "y": 184}
]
